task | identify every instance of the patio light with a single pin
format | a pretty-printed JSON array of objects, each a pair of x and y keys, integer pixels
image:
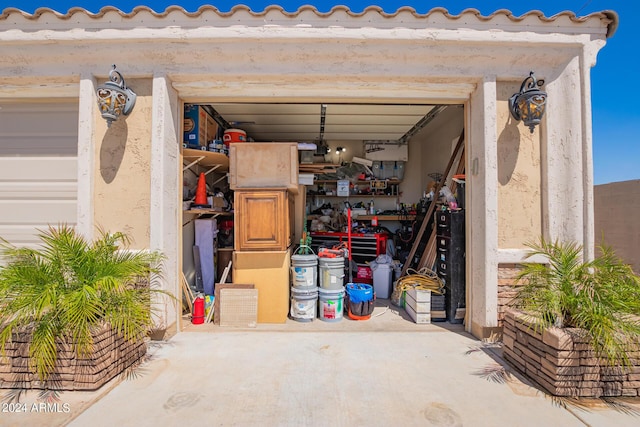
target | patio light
[
  {"x": 528, "y": 105},
  {"x": 115, "y": 98}
]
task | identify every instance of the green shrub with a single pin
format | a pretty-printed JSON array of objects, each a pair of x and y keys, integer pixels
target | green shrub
[
  {"x": 68, "y": 286},
  {"x": 601, "y": 296}
]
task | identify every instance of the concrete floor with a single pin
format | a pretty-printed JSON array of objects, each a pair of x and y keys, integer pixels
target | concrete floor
[{"x": 379, "y": 372}]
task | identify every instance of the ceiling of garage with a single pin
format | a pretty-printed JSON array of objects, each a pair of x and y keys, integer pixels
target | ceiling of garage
[{"x": 342, "y": 122}]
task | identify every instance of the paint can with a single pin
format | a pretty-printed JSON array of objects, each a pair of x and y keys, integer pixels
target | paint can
[
  {"x": 331, "y": 273},
  {"x": 330, "y": 304},
  {"x": 303, "y": 304},
  {"x": 304, "y": 270}
]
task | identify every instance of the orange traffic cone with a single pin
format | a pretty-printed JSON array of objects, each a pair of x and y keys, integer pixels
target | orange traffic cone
[{"x": 201, "y": 194}]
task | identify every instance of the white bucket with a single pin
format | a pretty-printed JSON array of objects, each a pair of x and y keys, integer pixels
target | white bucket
[
  {"x": 303, "y": 304},
  {"x": 332, "y": 273},
  {"x": 330, "y": 304},
  {"x": 304, "y": 271}
]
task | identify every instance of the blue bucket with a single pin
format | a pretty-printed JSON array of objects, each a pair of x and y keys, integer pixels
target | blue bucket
[{"x": 359, "y": 292}]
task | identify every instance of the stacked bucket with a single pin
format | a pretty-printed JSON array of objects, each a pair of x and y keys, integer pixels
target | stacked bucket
[
  {"x": 317, "y": 287},
  {"x": 304, "y": 289},
  {"x": 331, "y": 290}
]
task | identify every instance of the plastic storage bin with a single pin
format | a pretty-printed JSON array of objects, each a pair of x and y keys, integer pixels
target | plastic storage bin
[{"x": 382, "y": 279}]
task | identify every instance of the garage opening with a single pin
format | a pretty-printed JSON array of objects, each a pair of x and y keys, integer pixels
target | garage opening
[{"x": 367, "y": 190}]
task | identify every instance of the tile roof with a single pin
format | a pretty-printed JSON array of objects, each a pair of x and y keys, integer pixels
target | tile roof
[{"x": 610, "y": 17}]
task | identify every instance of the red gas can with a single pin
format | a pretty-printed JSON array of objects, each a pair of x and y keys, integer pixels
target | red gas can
[{"x": 198, "y": 311}]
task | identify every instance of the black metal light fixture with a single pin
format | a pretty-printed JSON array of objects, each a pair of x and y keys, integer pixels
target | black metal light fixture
[
  {"x": 115, "y": 98},
  {"x": 528, "y": 105}
]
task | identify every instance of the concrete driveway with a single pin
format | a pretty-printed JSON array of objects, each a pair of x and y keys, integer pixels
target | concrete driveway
[{"x": 380, "y": 372}]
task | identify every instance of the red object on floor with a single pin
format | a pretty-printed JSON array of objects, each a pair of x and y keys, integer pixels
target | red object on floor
[{"x": 198, "y": 311}]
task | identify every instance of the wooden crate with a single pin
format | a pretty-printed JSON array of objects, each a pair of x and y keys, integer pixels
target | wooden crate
[{"x": 263, "y": 165}]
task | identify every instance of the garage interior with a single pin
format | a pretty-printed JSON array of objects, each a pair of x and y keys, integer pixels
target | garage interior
[{"x": 396, "y": 230}]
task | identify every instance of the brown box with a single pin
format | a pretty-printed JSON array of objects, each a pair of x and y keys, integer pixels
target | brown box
[
  {"x": 216, "y": 299},
  {"x": 269, "y": 272},
  {"x": 199, "y": 127},
  {"x": 263, "y": 165},
  {"x": 218, "y": 202}
]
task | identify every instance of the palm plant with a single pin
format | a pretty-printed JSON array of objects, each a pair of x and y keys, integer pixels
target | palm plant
[
  {"x": 68, "y": 287},
  {"x": 601, "y": 296}
]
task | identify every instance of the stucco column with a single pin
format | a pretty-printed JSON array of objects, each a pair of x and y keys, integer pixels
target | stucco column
[
  {"x": 588, "y": 60},
  {"x": 482, "y": 220},
  {"x": 165, "y": 194},
  {"x": 563, "y": 156},
  {"x": 86, "y": 154}
]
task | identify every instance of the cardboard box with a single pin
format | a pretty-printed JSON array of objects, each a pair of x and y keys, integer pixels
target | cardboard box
[
  {"x": 418, "y": 305},
  {"x": 199, "y": 127},
  {"x": 268, "y": 271},
  {"x": 418, "y": 317}
]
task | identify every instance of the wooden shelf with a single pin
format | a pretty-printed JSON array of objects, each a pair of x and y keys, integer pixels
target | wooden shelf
[
  {"x": 207, "y": 212},
  {"x": 365, "y": 196},
  {"x": 199, "y": 212},
  {"x": 218, "y": 162},
  {"x": 335, "y": 181},
  {"x": 387, "y": 217}
]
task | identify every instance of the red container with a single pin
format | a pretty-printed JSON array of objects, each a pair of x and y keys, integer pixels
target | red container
[
  {"x": 198, "y": 311},
  {"x": 234, "y": 135},
  {"x": 364, "y": 275}
]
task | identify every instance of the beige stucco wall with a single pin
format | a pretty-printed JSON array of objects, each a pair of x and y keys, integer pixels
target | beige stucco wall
[
  {"x": 616, "y": 220},
  {"x": 438, "y": 142},
  {"x": 519, "y": 176},
  {"x": 122, "y": 170}
]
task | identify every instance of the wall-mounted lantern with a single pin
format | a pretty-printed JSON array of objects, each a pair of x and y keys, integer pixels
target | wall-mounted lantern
[
  {"x": 115, "y": 98},
  {"x": 528, "y": 105}
]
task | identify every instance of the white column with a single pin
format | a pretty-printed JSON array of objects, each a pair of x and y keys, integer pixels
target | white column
[
  {"x": 482, "y": 217},
  {"x": 587, "y": 62},
  {"x": 165, "y": 194},
  {"x": 563, "y": 156},
  {"x": 86, "y": 154}
]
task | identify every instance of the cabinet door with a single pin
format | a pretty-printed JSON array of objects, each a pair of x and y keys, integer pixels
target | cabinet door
[{"x": 262, "y": 220}]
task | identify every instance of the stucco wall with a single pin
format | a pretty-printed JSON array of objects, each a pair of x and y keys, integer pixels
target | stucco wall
[
  {"x": 122, "y": 175},
  {"x": 519, "y": 176},
  {"x": 438, "y": 142},
  {"x": 616, "y": 219}
]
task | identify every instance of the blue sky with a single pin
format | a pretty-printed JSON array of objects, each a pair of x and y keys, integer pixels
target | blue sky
[{"x": 616, "y": 148}]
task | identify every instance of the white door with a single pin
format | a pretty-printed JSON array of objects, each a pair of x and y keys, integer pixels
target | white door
[{"x": 38, "y": 168}]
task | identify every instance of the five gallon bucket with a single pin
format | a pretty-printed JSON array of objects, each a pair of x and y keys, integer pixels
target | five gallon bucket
[
  {"x": 304, "y": 271},
  {"x": 331, "y": 273},
  {"x": 330, "y": 304},
  {"x": 303, "y": 304}
]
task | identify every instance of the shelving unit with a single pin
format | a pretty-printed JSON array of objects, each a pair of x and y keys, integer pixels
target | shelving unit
[
  {"x": 392, "y": 184},
  {"x": 210, "y": 162}
]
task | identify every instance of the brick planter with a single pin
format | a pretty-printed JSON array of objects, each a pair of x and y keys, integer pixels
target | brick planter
[
  {"x": 563, "y": 362},
  {"x": 111, "y": 355}
]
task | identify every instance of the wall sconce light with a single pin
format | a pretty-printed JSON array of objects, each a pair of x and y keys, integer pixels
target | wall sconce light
[
  {"x": 115, "y": 98},
  {"x": 528, "y": 105},
  {"x": 340, "y": 150}
]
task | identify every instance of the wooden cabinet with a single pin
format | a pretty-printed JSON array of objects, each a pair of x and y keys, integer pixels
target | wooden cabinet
[
  {"x": 264, "y": 220},
  {"x": 263, "y": 165}
]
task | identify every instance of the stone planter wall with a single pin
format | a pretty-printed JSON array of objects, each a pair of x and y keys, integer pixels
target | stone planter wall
[
  {"x": 507, "y": 287},
  {"x": 111, "y": 356},
  {"x": 563, "y": 362}
]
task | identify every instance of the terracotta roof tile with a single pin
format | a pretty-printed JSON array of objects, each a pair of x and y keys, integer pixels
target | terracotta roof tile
[{"x": 610, "y": 17}]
